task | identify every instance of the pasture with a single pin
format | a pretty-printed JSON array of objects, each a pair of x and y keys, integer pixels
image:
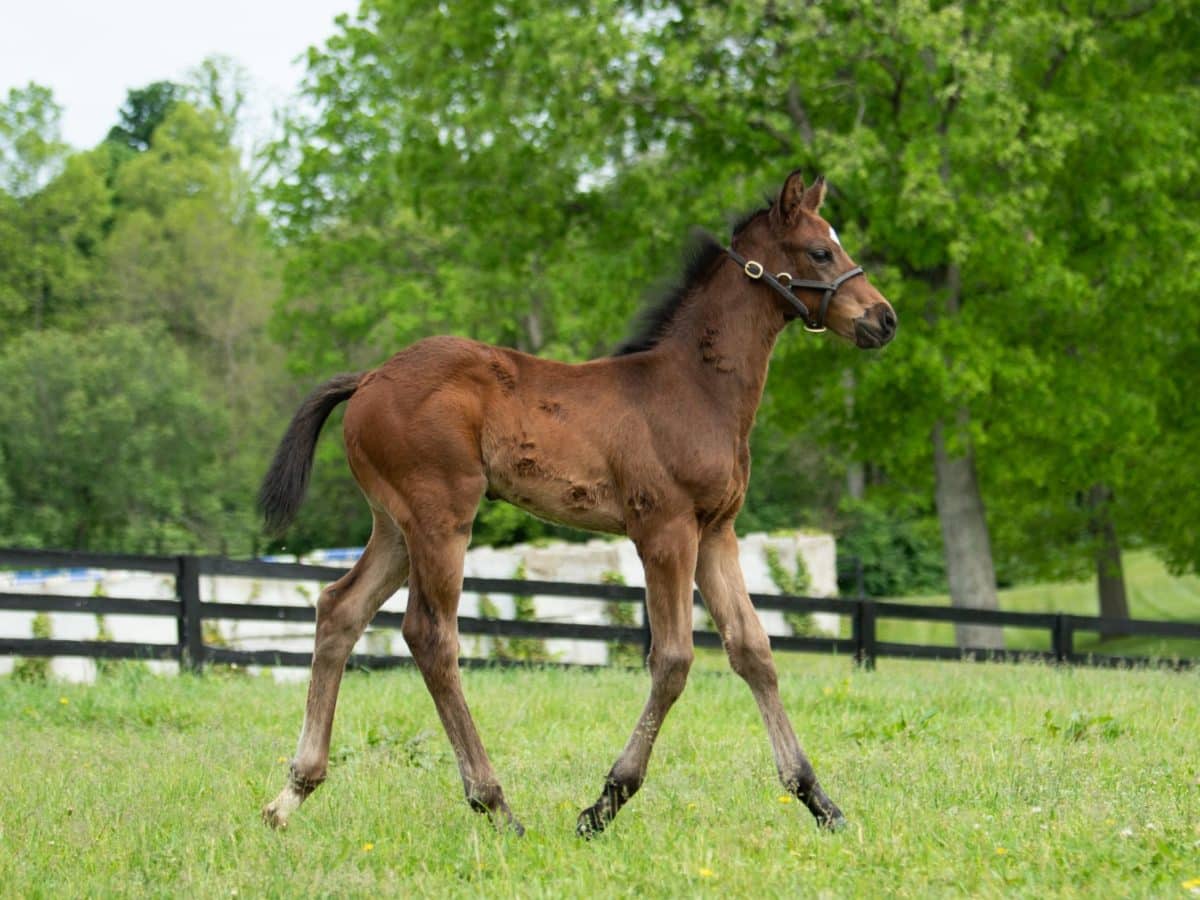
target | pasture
[{"x": 958, "y": 779}]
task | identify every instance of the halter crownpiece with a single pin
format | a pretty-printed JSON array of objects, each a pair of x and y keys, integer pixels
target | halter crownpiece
[{"x": 784, "y": 285}]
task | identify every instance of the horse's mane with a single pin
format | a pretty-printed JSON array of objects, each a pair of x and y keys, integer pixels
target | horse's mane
[{"x": 662, "y": 304}]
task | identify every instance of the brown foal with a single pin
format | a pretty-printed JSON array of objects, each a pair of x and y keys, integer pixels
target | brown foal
[{"x": 652, "y": 443}]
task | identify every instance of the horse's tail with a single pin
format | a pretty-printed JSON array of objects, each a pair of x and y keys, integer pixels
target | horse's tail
[{"x": 286, "y": 480}]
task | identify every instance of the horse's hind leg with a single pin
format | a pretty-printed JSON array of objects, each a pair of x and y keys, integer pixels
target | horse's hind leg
[
  {"x": 437, "y": 546},
  {"x": 343, "y": 612},
  {"x": 719, "y": 575}
]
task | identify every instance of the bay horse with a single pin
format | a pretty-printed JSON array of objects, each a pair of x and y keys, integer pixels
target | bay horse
[{"x": 651, "y": 442}]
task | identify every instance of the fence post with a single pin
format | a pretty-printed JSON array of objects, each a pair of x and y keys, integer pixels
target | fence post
[
  {"x": 1062, "y": 637},
  {"x": 191, "y": 635},
  {"x": 863, "y": 634}
]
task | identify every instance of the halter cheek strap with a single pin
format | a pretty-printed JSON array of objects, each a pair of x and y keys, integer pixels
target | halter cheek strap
[{"x": 784, "y": 285}]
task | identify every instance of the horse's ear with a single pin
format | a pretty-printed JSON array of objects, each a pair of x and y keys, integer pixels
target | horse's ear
[
  {"x": 790, "y": 199},
  {"x": 815, "y": 195}
]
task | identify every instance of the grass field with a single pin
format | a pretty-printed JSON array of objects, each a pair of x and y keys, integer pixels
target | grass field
[{"x": 959, "y": 779}]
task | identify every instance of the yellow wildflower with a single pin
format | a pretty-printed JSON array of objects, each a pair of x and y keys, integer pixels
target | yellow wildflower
[
  {"x": 1193, "y": 885},
  {"x": 785, "y": 798},
  {"x": 707, "y": 873},
  {"x": 368, "y": 847},
  {"x": 1000, "y": 851},
  {"x": 63, "y": 700}
]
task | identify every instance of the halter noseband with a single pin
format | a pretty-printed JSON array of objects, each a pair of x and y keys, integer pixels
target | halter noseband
[{"x": 784, "y": 284}]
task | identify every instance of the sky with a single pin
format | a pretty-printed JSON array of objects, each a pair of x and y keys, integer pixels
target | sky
[{"x": 90, "y": 52}]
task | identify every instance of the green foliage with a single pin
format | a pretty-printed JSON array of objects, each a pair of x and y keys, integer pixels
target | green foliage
[
  {"x": 794, "y": 583},
  {"x": 143, "y": 111},
  {"x": 134, "y": 291},
  {"x": 524, "y": 610},
  {"x": 899, "y": 551},
  {"x": 35, "y": 668},
  {"x": 625, "y": 614},
  {"x": 31, "y": 148},
  {"x": 520, "y": 175},
  {"x": 516, "y": 649},
  {"x": 107, "y": 443}
]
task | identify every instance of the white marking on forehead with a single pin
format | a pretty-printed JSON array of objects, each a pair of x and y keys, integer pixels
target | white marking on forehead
[{"x": 833, "y": 234}]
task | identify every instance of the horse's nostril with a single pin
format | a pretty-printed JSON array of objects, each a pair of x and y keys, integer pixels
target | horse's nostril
[{"x": 887, "y": 318}]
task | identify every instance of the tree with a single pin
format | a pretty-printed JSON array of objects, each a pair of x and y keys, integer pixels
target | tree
[
  {"x": 960, "y": 139},
  {"x": 107, "y": 443},
  {"x": 144, "y": 110},
  {"x": 54, "y": 206},
  {"x": 31, "y": 148},
  {"x": 163, "y": 249},
  {"x": 189, "y": 250},
  {"x": 1122, "y": 217}
]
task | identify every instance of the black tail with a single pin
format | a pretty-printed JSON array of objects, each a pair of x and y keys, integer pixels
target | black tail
[{"x": 283, "y": 488}]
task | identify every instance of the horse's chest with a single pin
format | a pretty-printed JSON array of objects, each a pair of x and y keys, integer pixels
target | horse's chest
[{"x": 718, "y": 485}]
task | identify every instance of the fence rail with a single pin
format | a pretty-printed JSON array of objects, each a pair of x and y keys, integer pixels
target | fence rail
[{"x": 190, "y": 612}]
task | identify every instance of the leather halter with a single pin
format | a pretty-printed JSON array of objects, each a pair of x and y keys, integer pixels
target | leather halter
[{"x": 784, "y": 284}]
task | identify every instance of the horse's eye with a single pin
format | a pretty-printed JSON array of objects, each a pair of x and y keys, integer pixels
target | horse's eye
[{"x": 820, "y": 255}]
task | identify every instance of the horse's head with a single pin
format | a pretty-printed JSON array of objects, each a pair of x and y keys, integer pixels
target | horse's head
[{"x": 827, "y": 288}]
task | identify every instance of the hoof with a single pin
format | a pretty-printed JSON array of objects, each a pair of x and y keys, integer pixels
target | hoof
[
  {"x": 515, "y": 826},
  {"x": 834, "y": 824},
  {"x": 500, "y": 816},
  {"x": 589, "y": 824},
  {"x": 273, "y": 816}
]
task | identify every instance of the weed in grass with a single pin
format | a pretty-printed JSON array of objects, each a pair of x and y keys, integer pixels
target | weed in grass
[{"x": 1080, "y": 725}]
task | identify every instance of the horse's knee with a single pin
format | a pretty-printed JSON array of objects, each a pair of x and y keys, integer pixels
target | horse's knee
[
  {"x": 669, "y": 668},
  {"x": 429, "y": 640}
]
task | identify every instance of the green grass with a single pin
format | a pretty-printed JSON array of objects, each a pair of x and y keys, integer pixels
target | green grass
[
  {"x": 959, "y": 779},
  {"x": 1153, "y": 594}
]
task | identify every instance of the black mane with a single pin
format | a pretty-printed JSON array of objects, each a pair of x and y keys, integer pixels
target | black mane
[{"x": 701, "y": 254}]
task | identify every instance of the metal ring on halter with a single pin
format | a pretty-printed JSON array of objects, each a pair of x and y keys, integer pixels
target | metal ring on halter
[
  {"x": 784, "y": 278},
  {"x": 812, "y": 330},
  {"x": 756, "y": 272}
]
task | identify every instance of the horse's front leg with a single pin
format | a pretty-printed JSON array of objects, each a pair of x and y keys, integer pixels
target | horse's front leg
[
  {"x": 669, "y": 558},
  {"x": 719, "y": 575}
]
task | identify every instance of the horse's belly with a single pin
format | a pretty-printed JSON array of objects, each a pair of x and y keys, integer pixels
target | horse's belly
[
  {"x": 578, "y": 504},
  {"x": 565, "y": 488}
]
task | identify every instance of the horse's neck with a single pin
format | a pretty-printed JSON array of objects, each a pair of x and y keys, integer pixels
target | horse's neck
[{"x": 724, "y": 336}]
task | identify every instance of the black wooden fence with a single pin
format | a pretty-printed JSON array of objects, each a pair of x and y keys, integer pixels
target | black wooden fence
[{"x": 190, "y": 611}]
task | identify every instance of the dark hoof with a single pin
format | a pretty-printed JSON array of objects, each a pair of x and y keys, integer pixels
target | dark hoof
[
  {"x": 833, "y": 824},
  {"x": 590, "y": 824},
  {"x": 501, "y": 818}
]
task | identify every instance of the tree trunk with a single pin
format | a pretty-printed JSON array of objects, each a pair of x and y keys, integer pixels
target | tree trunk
[
  {"x": 968, "y": 547},
  {"x": 1110, "y": 575}
]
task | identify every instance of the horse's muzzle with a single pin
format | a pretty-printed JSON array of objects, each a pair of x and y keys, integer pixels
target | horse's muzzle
[{"x": 875, "y": 328}]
